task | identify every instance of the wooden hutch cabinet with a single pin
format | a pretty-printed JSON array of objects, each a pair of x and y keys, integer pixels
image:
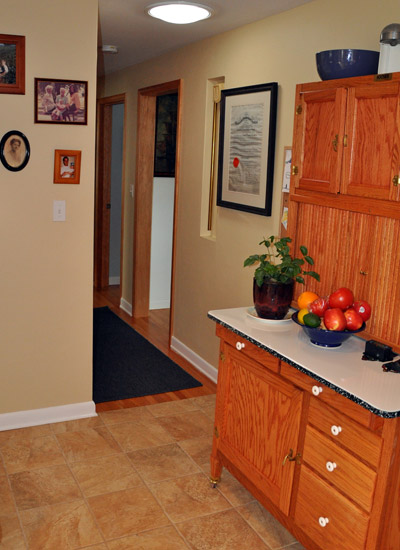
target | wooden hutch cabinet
[
  {"x": 345, "y": 192},
  {"x": 323, "y": 461}
]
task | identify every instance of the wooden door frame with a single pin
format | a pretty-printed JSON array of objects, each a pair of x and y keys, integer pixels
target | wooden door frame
[
  {"x": 144, "y": 195},
  {"x": 103, "y": 189}
]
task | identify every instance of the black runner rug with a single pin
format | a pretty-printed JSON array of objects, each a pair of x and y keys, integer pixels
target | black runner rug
[{"x": 126, "y": 365}]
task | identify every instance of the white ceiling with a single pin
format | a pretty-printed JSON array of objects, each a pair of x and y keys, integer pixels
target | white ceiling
[{"x": 139, "y": 37}]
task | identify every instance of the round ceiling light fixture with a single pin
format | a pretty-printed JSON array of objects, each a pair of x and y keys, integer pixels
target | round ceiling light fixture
[{"x": 180, "y": 13}]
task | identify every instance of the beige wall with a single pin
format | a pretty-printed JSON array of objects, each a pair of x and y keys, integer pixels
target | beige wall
[
  {"x": 46, "y": 267},
  {"x": 209, "y": 272}
]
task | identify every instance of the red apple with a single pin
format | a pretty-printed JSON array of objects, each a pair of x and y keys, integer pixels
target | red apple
[
  {"x": 354, "y": 320},
  {"x": 341, "y": 298},
  {"x": 334, "y": 319},
  {"x": 363, "y": 309},
  {"x": 319, "y": 306}
]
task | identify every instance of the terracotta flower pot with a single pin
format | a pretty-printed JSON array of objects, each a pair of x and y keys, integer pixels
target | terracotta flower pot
[{"x": 272, "y": 300}]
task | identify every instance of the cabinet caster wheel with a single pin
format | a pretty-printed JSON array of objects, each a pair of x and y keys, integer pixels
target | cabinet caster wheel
[{"x": 214, "y": 482}]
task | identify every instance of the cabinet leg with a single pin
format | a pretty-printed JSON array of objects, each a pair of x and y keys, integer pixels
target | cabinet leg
[{"x": 216, "y": 469}]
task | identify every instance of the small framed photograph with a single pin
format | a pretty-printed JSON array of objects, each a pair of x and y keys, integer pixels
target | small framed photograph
[
  {"x": 12, "y": 64},
  {"x": 247, "y": 148},
  {"x": 67, "y": 166},
  {"x": 14, "y": 151},
  {"x": 60, "y": 101}
]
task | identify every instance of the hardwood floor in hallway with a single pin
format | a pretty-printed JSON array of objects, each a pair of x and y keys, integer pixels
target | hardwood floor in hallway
[{"x": 154, "y": 328}]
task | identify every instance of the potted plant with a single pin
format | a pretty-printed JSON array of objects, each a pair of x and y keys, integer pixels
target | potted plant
[{"x": 275, "y": 275}]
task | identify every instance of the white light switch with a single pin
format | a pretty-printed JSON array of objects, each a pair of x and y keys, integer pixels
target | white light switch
[{"x": 58, "y": 211}]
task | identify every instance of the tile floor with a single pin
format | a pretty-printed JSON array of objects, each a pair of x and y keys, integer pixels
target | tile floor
[{"x": 128, "y": 479}]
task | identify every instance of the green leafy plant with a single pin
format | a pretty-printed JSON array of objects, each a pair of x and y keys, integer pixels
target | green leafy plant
[{"x": 277, "y": 265}]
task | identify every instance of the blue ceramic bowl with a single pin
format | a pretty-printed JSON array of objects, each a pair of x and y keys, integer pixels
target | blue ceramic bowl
[
  {"x": 326, "y": 338},
  {"x": 346, "y": 63}
]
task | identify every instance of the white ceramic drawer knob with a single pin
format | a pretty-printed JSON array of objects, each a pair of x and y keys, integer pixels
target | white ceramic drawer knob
[
  {"x": 330, "y": 466},
  {"x": 323, "y": 521},
  {"x": 336, "y": 430},
  {"x": 239, "y": 345},
  {"x": 316, "y": 390}
]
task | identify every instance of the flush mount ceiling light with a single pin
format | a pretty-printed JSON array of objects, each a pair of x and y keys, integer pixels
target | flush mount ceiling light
[{"x": 180, "y": 13}]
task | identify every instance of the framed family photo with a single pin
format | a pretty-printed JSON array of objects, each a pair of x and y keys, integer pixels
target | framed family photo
[
  {"x": 14, "y": 151},
  {"x": 12, "y": 64},
  {"x": 247, "y": 148},
  {"x": 67, "y": 166},
  {"x": 60, "y": 101}
]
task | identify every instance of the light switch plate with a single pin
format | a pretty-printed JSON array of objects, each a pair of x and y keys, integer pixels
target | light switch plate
[{"x": 59, "y": 211}]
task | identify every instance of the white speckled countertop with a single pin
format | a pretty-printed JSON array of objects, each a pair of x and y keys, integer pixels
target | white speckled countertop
[{"x": 341, "y": 368}]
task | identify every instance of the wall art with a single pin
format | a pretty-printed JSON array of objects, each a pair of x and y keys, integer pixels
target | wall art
[
  {"x": 12, "y": 64},
  {"x": 60, "y": 101},
  {"x": 14, "y": 150},
  {"x": 67, "y": 166},
  {"x": 247, "y": 148}
]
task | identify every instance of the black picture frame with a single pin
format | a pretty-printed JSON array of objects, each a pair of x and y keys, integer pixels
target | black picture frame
[
  {"x": 165, "y": 141},
  {"x": 47, "y": 110},
  {"x": 246, "y": 155},
  {"x": 11, "y": 158}
]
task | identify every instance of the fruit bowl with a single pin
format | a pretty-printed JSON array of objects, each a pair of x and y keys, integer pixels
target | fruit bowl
[{"x": 326, "y": 338}]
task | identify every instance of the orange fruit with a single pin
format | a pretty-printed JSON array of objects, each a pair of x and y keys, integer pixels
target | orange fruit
[{"x": 306, "y": 298}]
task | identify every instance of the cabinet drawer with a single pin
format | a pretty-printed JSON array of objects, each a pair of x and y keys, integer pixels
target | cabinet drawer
[
  {"x": 362, "y": 442},
  {"x": 326, "y": 516},
  {"x": 249, "y": 349},
  {"x": 327, "y": 395},
  {"x": 340, "y": 468}
]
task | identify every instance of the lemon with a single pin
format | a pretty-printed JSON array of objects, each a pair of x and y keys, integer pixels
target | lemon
[
  {"x": 311, "y": 320},
  {"x": 300, "y": 315}
]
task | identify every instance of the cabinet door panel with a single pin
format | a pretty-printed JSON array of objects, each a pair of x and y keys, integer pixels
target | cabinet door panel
[
  {"x": 371, "y": 159},
  {"x": 261, "y": 417},
  {"x": 315, "y": 154}
]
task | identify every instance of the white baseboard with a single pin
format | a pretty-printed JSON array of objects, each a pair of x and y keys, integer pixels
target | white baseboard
[
  {"x": 160, "y": 304},
  {"x": 114, "y": 280},
  {"x": 126, "y": 306},
  {"x": 198, "y": 362},
  {"x": 49, "y": 415}
]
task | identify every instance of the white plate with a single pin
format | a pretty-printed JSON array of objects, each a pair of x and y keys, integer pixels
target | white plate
[{"x": 251, "y": 312}]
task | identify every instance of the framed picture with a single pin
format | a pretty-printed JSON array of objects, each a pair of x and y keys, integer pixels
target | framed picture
[
  {"x": 165, "y": 146},
  {"x": 247, "y": 148},
  {"x": 60, "y": 101},
  {"x": 12, "y": 64},
  {"x": 67, "y": 166},
  {"x": 14, "y": 150}
]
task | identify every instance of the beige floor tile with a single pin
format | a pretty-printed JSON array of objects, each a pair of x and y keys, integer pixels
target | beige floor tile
[
  {"x": 188, "y": 497},
  {"x": 87, "y": 444},
  {"x": 43, "y": 487},
  {"x": 269, "y": 529},
  {"x": 210, "y": 412},
  {"x": 77, "y": 425},
  {"x": 222, "y": 531},
  {"x": 165, "y": 538},
  {"x": 199, "y": 449},
  {"x": 171, "y": 408},
  {"x": 25, "y": 433},
  {"x": 188, "y": 426},
  {"x": 21, "y": 454},
  {"x": 62, "y": 526},
  {"x": 10, "y": 532},
  {"x": 105, "y": 475},
  {"x": 205, "y": 401},
  {"x": 161, "y": 463},
  {"x": 125, "y": 415},
  {"x": 2, "y": 469},
  {"x": 127, "y": 512},
  {"x": 233, "y": 490},
  {"x": 140, "y": 435}
]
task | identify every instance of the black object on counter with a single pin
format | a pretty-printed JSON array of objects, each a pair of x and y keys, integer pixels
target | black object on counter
[
  {"x": 376, "y": 351},
  {"x": 392, "y": 367}
]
